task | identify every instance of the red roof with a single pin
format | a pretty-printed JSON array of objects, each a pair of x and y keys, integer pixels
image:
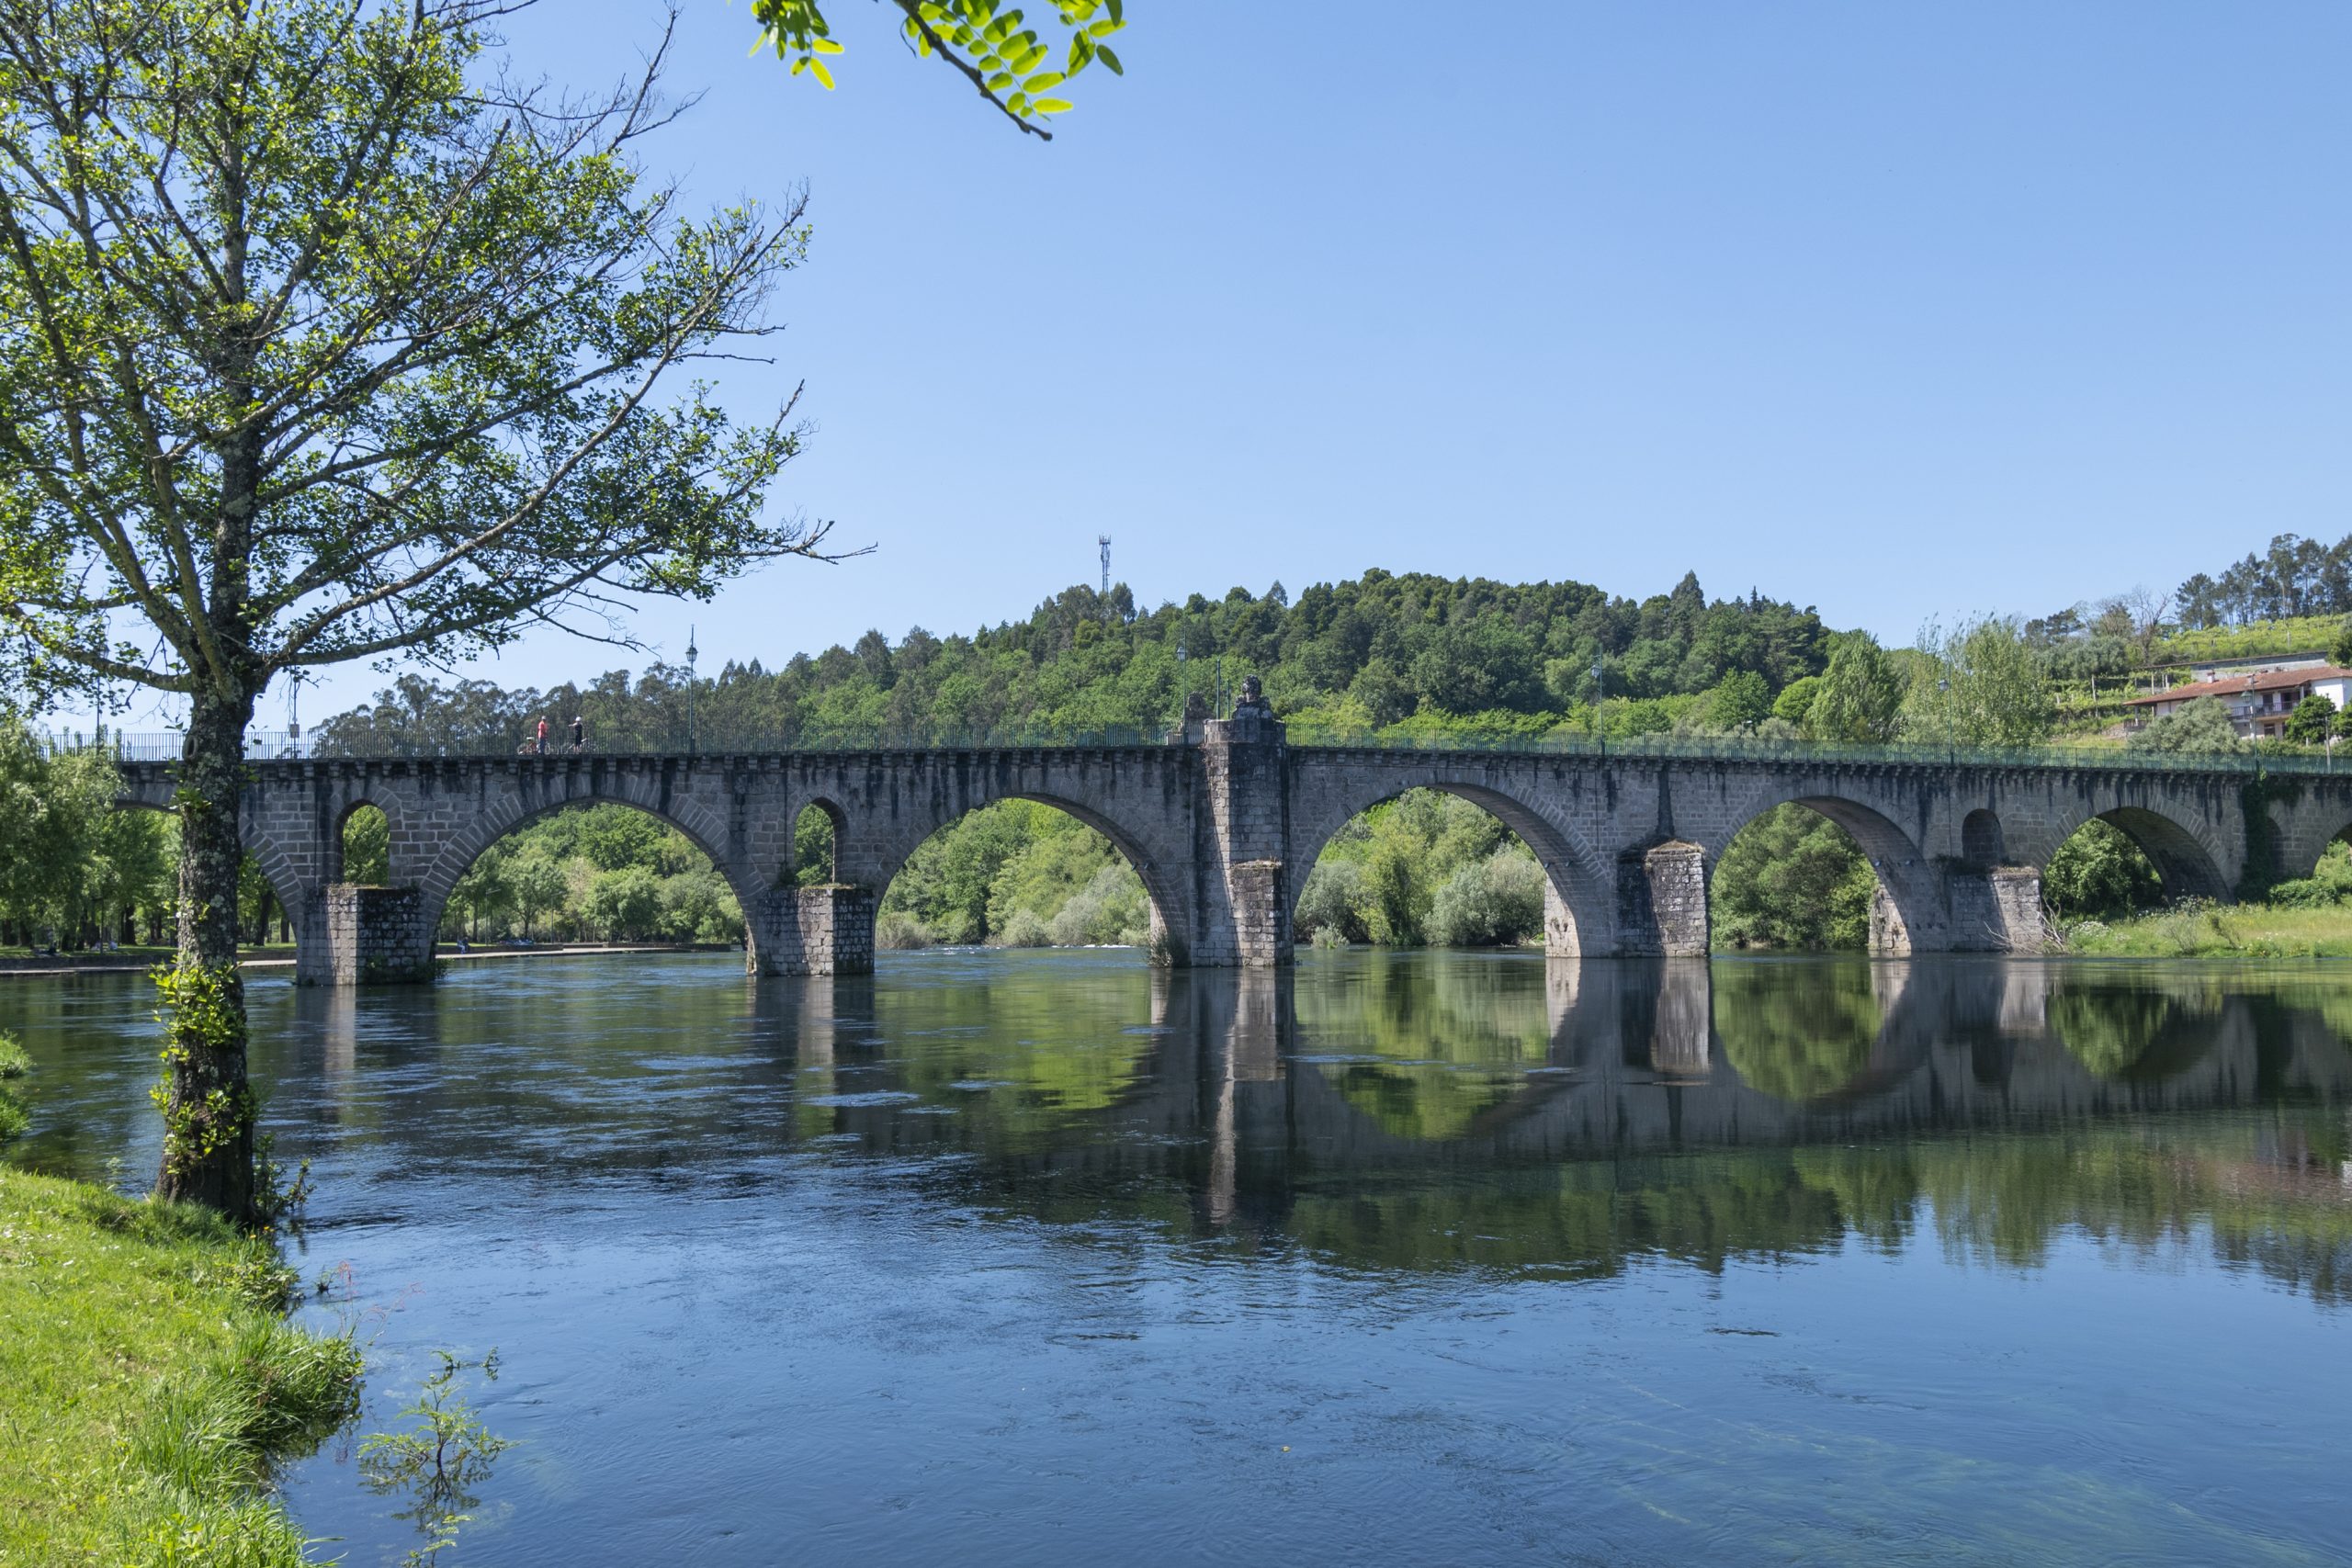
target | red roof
[{"x": 2237, "y": 685}]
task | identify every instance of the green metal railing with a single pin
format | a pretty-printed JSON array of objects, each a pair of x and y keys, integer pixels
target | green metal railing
[{"x": 1727, "y": 747}]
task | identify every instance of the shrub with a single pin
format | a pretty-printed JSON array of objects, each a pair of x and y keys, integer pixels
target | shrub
[
  {"x": 1026, "y": 928},
  {"x": 1328, "y": 905},
  {"x": 1496, "y": 902},
  {"x": 1111, "y": 908},
  {"x": 898, "y": 932}
]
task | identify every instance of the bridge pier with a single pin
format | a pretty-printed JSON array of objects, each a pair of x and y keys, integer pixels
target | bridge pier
[
  {"x": 349, "y": 934},
  {"x": 1996, "y": 909},
  {"x": 811, "y": 931},
  {"x": 1662, "y": 902},
  {"x": 1248, "y": 838}
]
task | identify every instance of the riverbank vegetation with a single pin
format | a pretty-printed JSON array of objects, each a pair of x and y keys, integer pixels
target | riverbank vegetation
[{"x": 148, "y": 1382}]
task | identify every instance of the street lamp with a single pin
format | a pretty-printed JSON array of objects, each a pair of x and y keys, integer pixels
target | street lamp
[{"x": 691, "y": 652}]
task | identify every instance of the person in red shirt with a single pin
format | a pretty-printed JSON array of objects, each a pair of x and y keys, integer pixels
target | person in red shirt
[{"x": 543, "y": 735}]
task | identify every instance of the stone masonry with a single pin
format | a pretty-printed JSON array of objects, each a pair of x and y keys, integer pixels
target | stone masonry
[{"x": 1222, "y": 819}]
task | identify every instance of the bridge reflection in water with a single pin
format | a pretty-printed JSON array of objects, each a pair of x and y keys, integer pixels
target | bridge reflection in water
[{"x": 1447, "y": 1111}]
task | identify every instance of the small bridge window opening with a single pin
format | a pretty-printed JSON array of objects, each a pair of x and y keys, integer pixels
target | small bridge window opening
[
  {"x": 1017, "y": 874},
  {"x": 366, "y": 847},
  {"x": 603, "y": 873},
  {"x": 815, "y": 835},
  {"x": 1427, "y": 868}
]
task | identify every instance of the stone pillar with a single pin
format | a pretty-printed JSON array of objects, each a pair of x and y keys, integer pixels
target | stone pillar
[
  {"x": 1998, "y": 910},
  {"x": 812, "y": 931},
  {"x": 1242, "y": 758},
  {"x": 352, "y": 935},
  {"x": 1662, "y": 902}
]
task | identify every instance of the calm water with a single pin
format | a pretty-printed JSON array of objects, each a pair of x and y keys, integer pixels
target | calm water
[{"x": 1013, "y": 1258}]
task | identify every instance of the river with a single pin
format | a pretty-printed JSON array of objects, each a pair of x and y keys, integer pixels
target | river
[{"x": 1008, "y": 1258}]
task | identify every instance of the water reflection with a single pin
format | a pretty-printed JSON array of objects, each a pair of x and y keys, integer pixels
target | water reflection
[{"x": 815, "y": 1248}]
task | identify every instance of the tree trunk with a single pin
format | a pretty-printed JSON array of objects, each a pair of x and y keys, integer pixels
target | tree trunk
[{"x": 208, "y": 1108}]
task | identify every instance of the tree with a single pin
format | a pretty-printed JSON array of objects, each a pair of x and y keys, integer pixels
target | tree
[
  {"x": 2340, "y": 653},
  {"x": 1981, "y": 684},
  {"x": 1861, "y": 692},
  {"x": 2314, "y": 720},
  {"x": 328, "y": 343},
  {"x": 2202, "y": 726},
  {"x": 1010, "y": 65},
  {"x": 536, "y": 884},
  {"x": 627, "y": 904},
  {"x": 1795, "y": 701}
]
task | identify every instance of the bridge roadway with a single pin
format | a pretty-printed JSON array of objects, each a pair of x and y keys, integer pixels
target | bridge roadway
[{"x": 1224, "y": 821}]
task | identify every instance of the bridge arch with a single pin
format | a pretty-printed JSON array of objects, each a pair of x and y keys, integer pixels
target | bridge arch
[
  {"x": 1578, "y": 896},
  {"x": 511, "y": 813},
  {"x": 872, "y": 859},
  {"x": 1910, "y": 908},
  {"x": 2185, "y": 863}
]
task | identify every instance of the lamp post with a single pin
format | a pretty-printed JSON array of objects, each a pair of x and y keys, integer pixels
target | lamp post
[
  {"x": 1596, "y": 730},
  {"x": 691, "y": 652}
]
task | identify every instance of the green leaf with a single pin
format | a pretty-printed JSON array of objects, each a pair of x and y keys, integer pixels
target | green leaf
[
  {"x": 817, "y": 68},
  {"x": 1111, "y": 60},
  {"x": 1041, "y": 81},
  {"x": 826, "y": 45},
  {"x": 1051, "y": 106}
]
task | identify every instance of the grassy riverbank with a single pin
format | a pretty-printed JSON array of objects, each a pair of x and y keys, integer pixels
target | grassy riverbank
[
  {"x": 147, "y": 1379},
  {"x": 2218, "y": 930}
]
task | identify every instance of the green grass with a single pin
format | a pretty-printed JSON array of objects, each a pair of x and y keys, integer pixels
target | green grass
[
  {"x": 147, "y": 1380},
  {"x": 2216, "y": 931}
]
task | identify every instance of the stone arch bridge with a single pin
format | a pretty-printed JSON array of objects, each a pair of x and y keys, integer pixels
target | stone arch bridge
[{"x": 1223, "y": 821}]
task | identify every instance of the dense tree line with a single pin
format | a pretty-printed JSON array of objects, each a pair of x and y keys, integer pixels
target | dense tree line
[
  {"x": 2294, "y": 576},
  {"x": 1379, "y": 650}
]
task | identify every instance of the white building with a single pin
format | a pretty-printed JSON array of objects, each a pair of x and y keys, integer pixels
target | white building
[{"x": 2259, "y": 701}]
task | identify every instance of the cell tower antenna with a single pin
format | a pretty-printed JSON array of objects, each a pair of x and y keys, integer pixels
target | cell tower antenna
[{"x": 1104, "y": 540}]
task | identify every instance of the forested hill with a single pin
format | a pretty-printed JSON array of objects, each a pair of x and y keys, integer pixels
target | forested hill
[{"x": 1349, "y": 657}]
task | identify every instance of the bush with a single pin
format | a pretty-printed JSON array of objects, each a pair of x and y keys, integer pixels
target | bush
[
  {"x": 1497, "y": 902},
  {"x": 1327, "y": 904},
  {"x": 1026, "y": 928},
  {"x": 1111, "y": 909},
  {"x": 898, "y": 932}
]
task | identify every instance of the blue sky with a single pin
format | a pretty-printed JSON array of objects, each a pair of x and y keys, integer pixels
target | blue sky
[{"x": 1897, "y": 310}]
